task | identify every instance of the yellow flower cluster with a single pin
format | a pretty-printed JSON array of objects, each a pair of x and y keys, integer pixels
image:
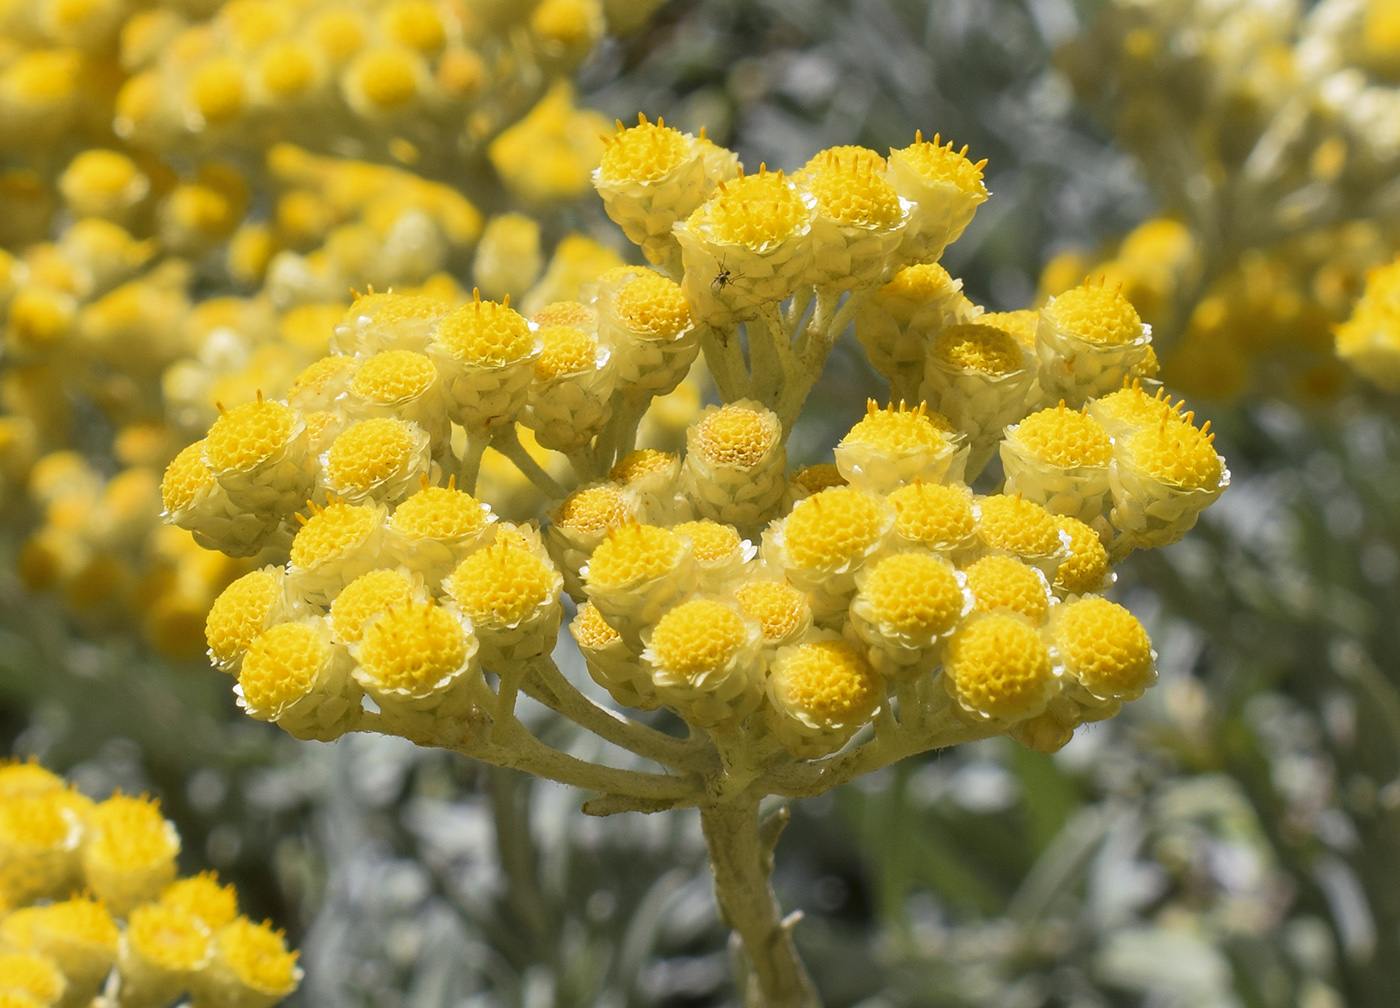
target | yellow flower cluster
[
  {"x": 1370, "y": 339},
  {"x": 90, "y": 902}
]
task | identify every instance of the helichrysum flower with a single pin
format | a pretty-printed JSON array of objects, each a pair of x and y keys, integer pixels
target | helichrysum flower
[
  {"x": 820, "y": 693},
  {"x": 334, "y": 546},
  {"x": 1104, "y": 649},
  {"x": 997, "y": 668},
  {"x": 1021, "y": 528},
  {"x": 381, "y": 460},
  {"x": 1003, "y": 582},
  {"x": 434, "y": 530},
  {"x": 1086, "y": 567},
  {"x": 251, "y": 967},
  {"x": 782, "y": 611},
  {"x": 1059, "y": 459},
  {"x": 378, "y": 322},
  {"x": 904, "y": 608},
  {"x": 486, "y": 354},
  {"x": 368, "y": 597},
  {"x": 402, "y": 384},
  {"x": 570, "y": 399},
  {"x": 704, "y": 658},
  {"x": 1088, "y": 340},
  {"x": 39, "y": 840},
  {"x": 242, "y": 611},
  {"x": 735, "y": 464},
  {"x": 1130, "y": 408},
  {"x": 933, "y": 516},
  {"x": 128, "y": 851},
  {"x": 195, "y": 500},
  {"x": 163, "y": 948},
  {"x": 258, "y": 454},
  {"x": 901, "y": 318},
  {"x": 103, "y": 183},
  {"x": 581, "y": 522},
  {"x": 418, "y": 662},
  {"x": 1162, "y": 478},
  {"x": 891, "y": 447},
  {"x": 511, "y": 595},
  {"x": 721, "y": 556},
  {"x": 30, "y": 980},
  {"x": 78, "y": 934},
  {"x": 644, "y": 316},
  {"x": 859, "y": 217},
  {"x": 611, "y": 663},
  {"x": 637, "y": 573},
  {"x": 297, "y": 676},
  {"x": 945, "y": 188},
  {"x": 981, "y": 379}
]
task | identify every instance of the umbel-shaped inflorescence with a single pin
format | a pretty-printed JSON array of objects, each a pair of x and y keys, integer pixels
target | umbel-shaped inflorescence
[
  {"x": 808, "y": 626},
  {"x": 90, "y": 904}
]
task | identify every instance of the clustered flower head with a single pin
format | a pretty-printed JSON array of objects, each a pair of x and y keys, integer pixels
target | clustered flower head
[
  {"x": 90, "y": 903},
  {"x": 712, "y": 581}
]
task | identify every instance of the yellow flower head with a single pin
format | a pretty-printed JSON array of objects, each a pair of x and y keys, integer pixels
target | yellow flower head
[
  {"x": 1020, "y": 324},
  {"x": 698, "y": 636},
  {"x": 827, "y": 683},
  {"x": 186, "y": 478},
  {"x": 203, "y": 897},
  {"x": 393, "y": 376},
  {"x": 1176, "y": 453},
  {"x": 919, "y": 283},
  {"x": 594, "y": 509},
  {"x": 414, "y": 648},
  {"x": 283, "y": 665},
  {"x": 998, "y": 667},
  {"x": 901, "y": 431},
  {"x": 27, "y": 777},
  {"x": 737, "y": 436},
  {"x": 215, "y": 91},
  {"x": 1132, "y": 407},
  {"x": 815, "y": 478},
  {"x": 389, "y": 309},
  {"x": 240, "y": 613},
  {"x": 244, "y": 437},
  {"x": 845, "y": 158},
  {"x": 756, "y": 211},
  {"x": 644, "y": 153},
  {"x": 634, "y": 552},
  {"x": 567, "y": 350},
  {"x": 940, "y": 163},
  {"x": 367, "y": 453},
  {"x": 972, "y": 346},
  {"x": 35, "y": 823},
  {"x": 913, "y": 593},
  {"x": 320, "y": 375},
  {"x": 1087, "y": 564},
  {"x": 1017, "y": 526},
  {"x": 502, "y": 585},
  {"x": 779, "y": 607},
  {"x": 834, "y": 527},
  {"x": 258, "y": 957},
  {"x": 1095, "y": 314},
  {"x": 565, "y": 313},
  {"x": 851, "y": 189},
  {"x": 486, "y": 334},
  {"x": 80, "y": 921},
  {"x": 641, "y": 463},
  {"x": 653, "y": 306},
  {"x": 933, "y": 513},
  {"x": 384, "y": 80},
  {"x": 129, "y": 834},
  {"x": 1064, "y": 437},
  {"x": 591, "y": 630},
  {"x": 33, "y": 980},
  {"x": 169, "y": 937},
  {"x": 1105, "y": 647},
  {"x": 440, "y": 513},
  {"x": 102, "y": 182},
  {"x": 998, "y": 582},
  {"x": 414, "y": 23},
  {"x": 711, "y": 541},
  {"x": 368, "y": 596},
  {"x": 330, "y": 531}
]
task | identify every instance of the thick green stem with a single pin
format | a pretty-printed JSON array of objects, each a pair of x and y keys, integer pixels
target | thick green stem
[{"x": 741, "y": 859}]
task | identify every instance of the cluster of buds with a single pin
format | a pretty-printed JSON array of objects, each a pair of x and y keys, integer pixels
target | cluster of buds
[{"x": 92, "y": 913}]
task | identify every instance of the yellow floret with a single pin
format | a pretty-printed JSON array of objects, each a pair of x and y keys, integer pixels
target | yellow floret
[
  {"x": 169, "y": 937},
  {"x": 317, "y": 375},
  {"x": 239, "y": 614},
  {"x": 36, "y": 977},
  {"x": 439, "y": 513},
  {"x": 698, "y": 636},
  {"x": 415, "y": 23},
  {"x": 653, "y": 306},
  {"x": 41, "y": 822},
  {"x": 914, "y": 593},
  {"x": 202, "y": 896},
  {"x": 1104, "y": 646},
  {"x": 40, "y": 317},
  {"x": 42, "y": 77},
  {"x": 943, "y": 164},
  {"x": 393, "y": 376},
  {"x": 976, "y": 347},
  {"x": 185, "y": 478},
  {"x": 1018, "y": 526},
  {"x": 917, "y": 283},
  {"x": 367, "y": 596},
  {"x": 711, "y": 541},
  {"x": 829, "y": 682},
  {"x": 287, "y": 68},
  {"x": 933, "y": 513},
  {"x": 999, "y": 667},
  {"x": 859, "y": 197},
  {"x": 591, "y": 630},
  {"x": 340, "y": 32},
  {"x": 97, "y": 180},
  {"x": 216, "y": 90},
  {"x": 898, "y": 431},
  {"x": 1176, "y": 453},
  {"x": 1020, "y": 324},
  {"x": 779, "y": 607},
  {"x": 1004, "y": 582},
  {"x": 1087, "y": 564},
  {"x": 248, "y": 435},
  {"x": 370, "y": 452},
  {"x": 330, "y": 530},
  {"x": 641, "y": 463},
  {"x": 26, "y": 778},
  {"x": 833, "y": 527},
  {"x": 643, "y": 153},
  {"x": 736, "y": 436},
  {"x": 501, "y": 584},
  {"x": 485, "y": 333},
  {"x": 389, "y": 308},
  {"x": 128, "y": 834},
  {"x": 846, "y": 158},
  {"x": 815, "y": 478},
  {"x": 634, "y": 552},
  {"x": 1096, "y": 314},
  {"x": 282, "y": 666},
  {"x": 386, "y": 77},
  {"x": 258, "y": 956},
  {"x": 593, "y": 509},
  {"x": 414, "y": 647},
  {"x": 567, "y": 350},
  {"x": 564, "y": 313},
  {"x": 1131, "y": 406},
  {"x": 1065, "y": 438},
  {"x": 566, "y": 22},
  {"x": 755, "y": 211}
]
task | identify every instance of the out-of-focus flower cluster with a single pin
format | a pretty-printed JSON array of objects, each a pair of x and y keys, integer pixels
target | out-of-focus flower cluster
[
  {"x": 143, "y": 173},
  {"x": 92, "y": 913},
  {"x": 714, "y": 582},
  {"x": 1269, "y": 135}
]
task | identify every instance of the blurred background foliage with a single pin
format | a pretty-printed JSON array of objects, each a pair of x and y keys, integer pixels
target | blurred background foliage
[{"x": 1229, "y": 841}]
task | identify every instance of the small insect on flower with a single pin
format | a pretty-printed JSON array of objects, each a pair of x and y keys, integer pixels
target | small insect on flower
[{"x": 721, "y": 278}]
